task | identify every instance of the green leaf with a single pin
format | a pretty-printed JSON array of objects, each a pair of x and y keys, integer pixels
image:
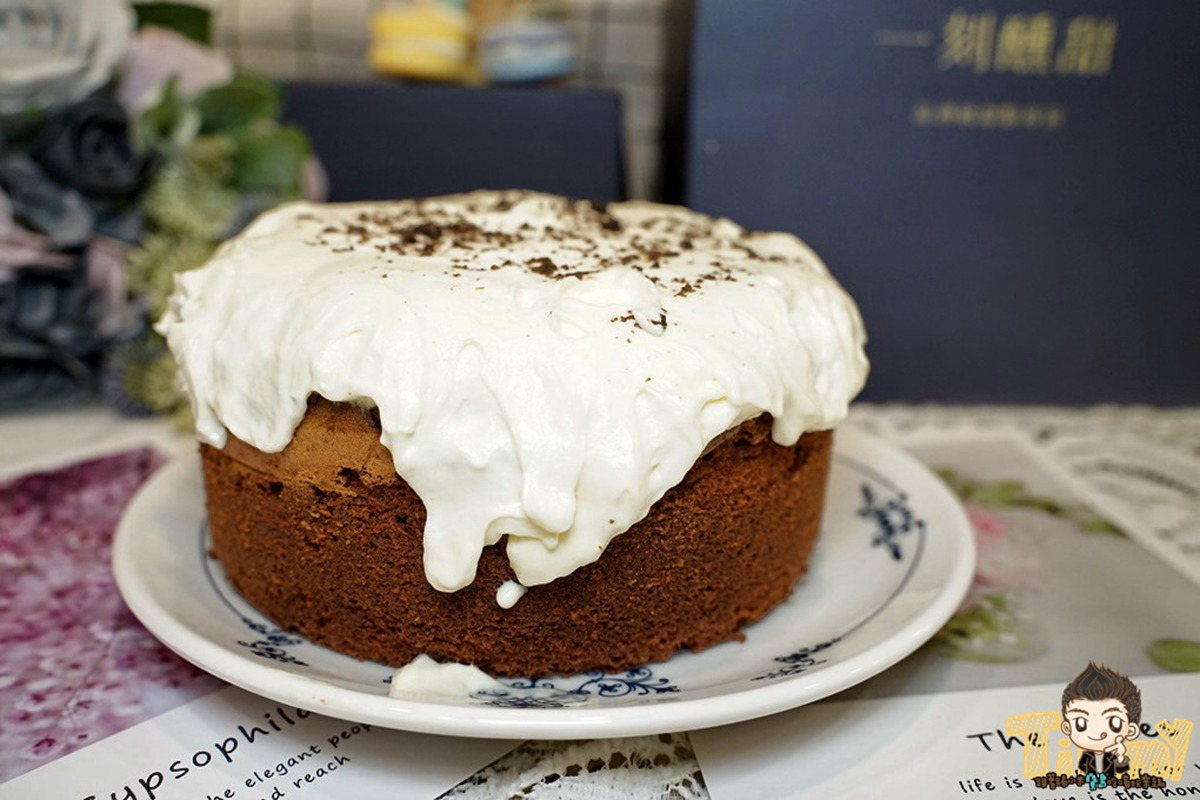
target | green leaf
[
  {"x": 191, "y": 21},
  {"x": 149, "y": 373},
  {"x": 154, "y": 263},
  {"x": 989, "y": 632},
  {"x": 212, "y": 156},
  {"x": 271, "y": 161},
  {"x": 1094, "y": 524},
  {"x": 189, "y": 203},
  {"x": 1177, "y": 655},
  {"x": 239, "y": 103},
  {"x": 157, "y": 122}
]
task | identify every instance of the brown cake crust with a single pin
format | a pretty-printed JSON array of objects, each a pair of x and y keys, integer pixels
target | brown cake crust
[{"x": 325, "y": 539}]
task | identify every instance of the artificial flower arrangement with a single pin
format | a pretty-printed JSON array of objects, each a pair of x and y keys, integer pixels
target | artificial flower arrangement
[{"x": 129, "y": 149}]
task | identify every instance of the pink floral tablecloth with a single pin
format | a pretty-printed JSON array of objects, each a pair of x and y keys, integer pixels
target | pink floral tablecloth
[{"x": 75, "y": 665}]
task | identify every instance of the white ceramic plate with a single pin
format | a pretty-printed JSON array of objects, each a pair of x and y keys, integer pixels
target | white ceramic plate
[{"x": 894, "y": 559}]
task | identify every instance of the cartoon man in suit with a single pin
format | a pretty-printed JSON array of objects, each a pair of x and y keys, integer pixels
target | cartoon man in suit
[{"x": 1101, "y": 711}]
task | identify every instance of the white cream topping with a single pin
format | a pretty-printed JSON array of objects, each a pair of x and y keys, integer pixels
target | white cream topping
[
  {"x": 542, "y": 369},
  {"x": 424, "y": 677},
  {"x": 509, "y": 593}
]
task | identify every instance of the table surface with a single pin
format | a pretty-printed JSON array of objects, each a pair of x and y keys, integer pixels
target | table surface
[{"x": 117, "y": 454}]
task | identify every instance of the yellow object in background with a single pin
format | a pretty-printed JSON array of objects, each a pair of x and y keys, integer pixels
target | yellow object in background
[{"x": 425, "y": 39}]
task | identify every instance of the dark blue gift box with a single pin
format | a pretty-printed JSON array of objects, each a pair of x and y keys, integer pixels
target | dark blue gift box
[
  {"x": 1010, "y": 190},
  {"x": 382, "y": 141}
]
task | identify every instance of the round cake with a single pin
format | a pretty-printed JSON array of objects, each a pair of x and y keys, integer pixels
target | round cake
[{"x": 511, "y": 429}]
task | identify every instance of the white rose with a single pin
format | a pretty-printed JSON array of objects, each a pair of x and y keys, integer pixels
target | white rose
[{"x": 54, "y": 52}]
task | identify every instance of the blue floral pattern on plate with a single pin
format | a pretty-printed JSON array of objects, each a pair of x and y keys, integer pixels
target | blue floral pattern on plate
[
  {"x": 554, "y": 693},
  {"x": 893, "y": 517},
  {"x": 274, "y": 644},
  {"x": 801, "y": 660}
]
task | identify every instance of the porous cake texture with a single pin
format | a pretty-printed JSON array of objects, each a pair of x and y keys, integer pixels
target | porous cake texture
[{"x": 325, "y": 539}]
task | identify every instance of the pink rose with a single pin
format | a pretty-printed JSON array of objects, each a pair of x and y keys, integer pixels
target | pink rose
[
  {"x": 157, "y": 55},
  {"x": 988, "y": 526}
]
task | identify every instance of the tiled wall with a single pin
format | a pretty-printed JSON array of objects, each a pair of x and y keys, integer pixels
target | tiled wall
[{"x": 620, "y": 43}]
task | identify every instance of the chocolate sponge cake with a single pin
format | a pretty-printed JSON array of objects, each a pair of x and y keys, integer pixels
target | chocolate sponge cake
[
  {"x": 514, "y": 430},
  {"x": 325, "y": 539}
]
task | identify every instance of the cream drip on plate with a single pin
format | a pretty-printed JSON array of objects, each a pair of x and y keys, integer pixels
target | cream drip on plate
[
  {"x": 426, "y": 679},
  {"x": 544, "y": 370}
]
